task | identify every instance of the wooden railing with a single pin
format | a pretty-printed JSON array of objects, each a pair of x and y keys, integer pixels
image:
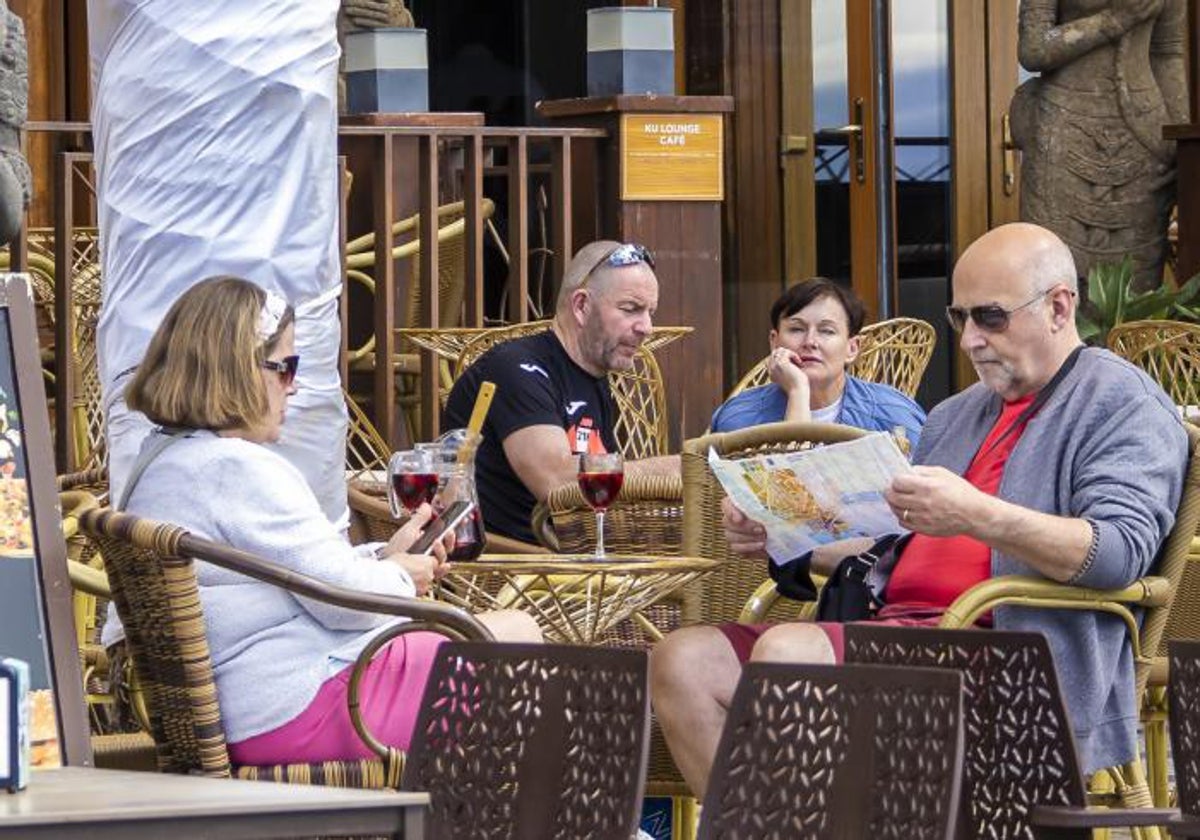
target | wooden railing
[{"x": 72, "y": 183}]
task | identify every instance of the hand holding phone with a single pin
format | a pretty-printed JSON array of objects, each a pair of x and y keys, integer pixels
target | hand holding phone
[{"x": 439, "y": 526}]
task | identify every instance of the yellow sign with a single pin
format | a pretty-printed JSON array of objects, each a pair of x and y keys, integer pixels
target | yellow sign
[{"x": 672, "y": 157}]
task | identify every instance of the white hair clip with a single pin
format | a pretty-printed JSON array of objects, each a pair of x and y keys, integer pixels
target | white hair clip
[{"x": 269, "y": 317}]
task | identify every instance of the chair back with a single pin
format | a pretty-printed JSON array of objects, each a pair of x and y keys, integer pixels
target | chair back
[
  {"x": 823, "y": 751},
  {"x": 640, "y": 393},
  {"x": 1178, "y": 562},
  {"x": 532, "y": 741},
  {"x": 895, "y": 352},
  {"x": 1169, "y": 351},
  {"x": 154, "y": 588},
  {"x": 645, "y": 518},
  {"x": 719, "y": 596},
  {"x": 1184, "y": 695},
  {"x": 1019, "y": 750}
]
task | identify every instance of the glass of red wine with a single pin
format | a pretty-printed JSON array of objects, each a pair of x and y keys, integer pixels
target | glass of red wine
[
  {"x": 412, "y": 481},
  {"x": 600, "y": 478}
]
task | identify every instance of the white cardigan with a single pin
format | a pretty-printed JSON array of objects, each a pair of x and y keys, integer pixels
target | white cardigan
[{"x": 271, "y": 650}]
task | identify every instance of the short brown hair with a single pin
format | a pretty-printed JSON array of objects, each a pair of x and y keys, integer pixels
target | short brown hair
[
  {"x": 806, "y": 291},
  {"x": 201, "y": 370}
]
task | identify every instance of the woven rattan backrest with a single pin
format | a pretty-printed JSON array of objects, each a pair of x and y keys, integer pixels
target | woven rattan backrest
[
  {"x": 1181, "y": 618},
  {"x": 820, "y": 751},
  {"x": 1019, "y": 748},
  {"x": 158, "y": 601},
  {"x": 452, "y": 265},
  {"x": 1184, "y": 696},
  {"x": 894, "y": 352},
  {"x": 544, "y": 741},
  {"x": 1167, "y": 350},
  {"x": 645, "y": 518},
  {"x": 720, "y": 595},
  {"x": 640, "y": 394},
  {"x": 366, "y": 450}
]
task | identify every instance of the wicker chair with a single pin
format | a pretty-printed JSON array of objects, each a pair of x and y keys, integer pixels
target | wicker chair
[
  {"x": 1169, "y": 351},
  {"x": 532, "y": 741},
  {"x": 894, "y": 352},
  {"x": 451, "y": 237},
  {"x": 853, "y": 751},
  {"x": 1019, "y": 765},
  {"x": 154, "y": 586}
]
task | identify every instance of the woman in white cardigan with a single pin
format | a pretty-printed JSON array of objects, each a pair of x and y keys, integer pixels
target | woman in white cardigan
[{"x": 216, "y": 378}]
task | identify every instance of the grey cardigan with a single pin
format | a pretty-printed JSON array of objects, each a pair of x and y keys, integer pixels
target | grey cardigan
[{"x": 1108, "y": 447}]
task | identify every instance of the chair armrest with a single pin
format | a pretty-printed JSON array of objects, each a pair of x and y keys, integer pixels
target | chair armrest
[
  {"x": 86, "y": 579},
  {"x": 1017, "y": 589},
  {"x": 170, "y": 541},
  {"x": 1036, "y": 592},
  {"x": 460, "y": 623},
  {"x": 1066, "y": 816},
  {"x": 499, "y": 544}
]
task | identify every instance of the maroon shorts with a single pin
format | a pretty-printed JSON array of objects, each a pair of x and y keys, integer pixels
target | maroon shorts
[{"x": 743, "y": 636}]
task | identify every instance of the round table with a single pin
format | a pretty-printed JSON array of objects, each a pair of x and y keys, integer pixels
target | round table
[{"x": 574, "y": 598}]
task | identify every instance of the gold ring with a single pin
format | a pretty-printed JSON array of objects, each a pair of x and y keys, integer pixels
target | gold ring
[{"x": 904, "y": 515}]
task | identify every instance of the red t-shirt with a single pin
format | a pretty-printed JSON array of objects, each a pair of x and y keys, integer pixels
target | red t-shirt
[{"x": 933, "y": 571}]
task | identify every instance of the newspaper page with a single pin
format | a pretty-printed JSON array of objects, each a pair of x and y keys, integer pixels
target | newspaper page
[{"x": 818, "y": 495}]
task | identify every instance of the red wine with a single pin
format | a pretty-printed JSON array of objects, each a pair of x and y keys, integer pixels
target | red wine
[
  {"x": 468, "y": 539},
  {"x": 600, "y": 488},
  {"x": 414, "y": 488}
]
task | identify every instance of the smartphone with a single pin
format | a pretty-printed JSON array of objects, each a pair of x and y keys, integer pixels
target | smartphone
[{"x": 440, "y": 525}]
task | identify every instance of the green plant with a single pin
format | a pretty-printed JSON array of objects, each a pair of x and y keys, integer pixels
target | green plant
[{"x": 1111, "y": 300}]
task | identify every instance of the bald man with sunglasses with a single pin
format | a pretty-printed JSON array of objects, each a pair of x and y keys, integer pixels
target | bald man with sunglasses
[
  {"x": 553, "y": 401},
  {"x": 1062, "y": 462}
]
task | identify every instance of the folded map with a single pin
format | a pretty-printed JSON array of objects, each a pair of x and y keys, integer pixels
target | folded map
[{"x": 815, "y": 496}]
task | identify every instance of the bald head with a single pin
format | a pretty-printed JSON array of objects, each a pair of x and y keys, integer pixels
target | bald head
[
  {"x": 1032, "y": 257},
  {"x": 586, "y": 260}
]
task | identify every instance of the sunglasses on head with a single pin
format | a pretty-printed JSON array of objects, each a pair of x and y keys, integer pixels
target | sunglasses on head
[
  {"x": 989, "y": 317},
  {"x": 630, "y": 253},
  {"x": 285, "y": 367}
]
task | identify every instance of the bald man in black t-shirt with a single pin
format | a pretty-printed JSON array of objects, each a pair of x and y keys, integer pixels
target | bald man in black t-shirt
[{"x": 552, "y": 395}]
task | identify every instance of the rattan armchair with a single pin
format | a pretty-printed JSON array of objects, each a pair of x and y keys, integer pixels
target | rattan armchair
[
  {"x": 894, "y": 352},
  {"x": 153, "y": 582},
  {"x": 850, "y": 751},
  {"x": 1021, "y": 775},
  {"x": 1169, "y": 351},
  {"x": 532, "y": 741}
]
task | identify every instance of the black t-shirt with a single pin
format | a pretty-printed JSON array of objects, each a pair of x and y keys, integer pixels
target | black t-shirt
[{"x": 537, "y": 384}]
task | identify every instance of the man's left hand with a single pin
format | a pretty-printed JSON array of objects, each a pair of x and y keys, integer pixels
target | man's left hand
[{"x": 935, "y": 501}]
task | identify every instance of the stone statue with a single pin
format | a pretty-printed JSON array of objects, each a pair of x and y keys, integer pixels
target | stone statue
[
  {"x": 1095, "y": 168},
  {"x": 15, "y": 179},
  {"x": 367, "y": 14}
]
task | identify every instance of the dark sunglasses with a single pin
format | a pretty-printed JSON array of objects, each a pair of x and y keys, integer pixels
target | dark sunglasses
[
  {"x": 990, "y": 317},
  {"x": 630, "y": 253},
  {"x": 285, "y": 367}
]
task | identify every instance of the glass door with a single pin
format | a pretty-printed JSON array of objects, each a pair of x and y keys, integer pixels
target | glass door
[{"x": 866, "y": 156}]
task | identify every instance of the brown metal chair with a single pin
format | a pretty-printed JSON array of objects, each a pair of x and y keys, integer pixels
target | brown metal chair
[
  {"x": 1185, "y": 733},
  {"x": 532, "y": 741},
  {"x": 822, "y": 751},
  {"x": 1020, "y": 771},
  {"x": 150, "y": 570},
  {"x": 894, "y": 352}
]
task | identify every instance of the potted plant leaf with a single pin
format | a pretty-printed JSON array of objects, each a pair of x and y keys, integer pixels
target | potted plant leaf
[{"x": 1111, "y": 300}]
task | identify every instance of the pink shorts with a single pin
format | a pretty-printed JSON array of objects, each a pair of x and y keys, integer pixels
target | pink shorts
[
  {"x": 743, "y": 636},
  {"x": 389, "y": 697}
]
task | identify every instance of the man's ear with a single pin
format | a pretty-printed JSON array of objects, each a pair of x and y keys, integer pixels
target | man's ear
[
  {"x": 1062, "y": 309},
  {"x": 581, "y": 301}
]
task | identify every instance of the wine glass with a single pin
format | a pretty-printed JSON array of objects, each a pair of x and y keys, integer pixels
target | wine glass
[
  {"x": 600, "y": 478},
  {"x": 412, "y": 480}
]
